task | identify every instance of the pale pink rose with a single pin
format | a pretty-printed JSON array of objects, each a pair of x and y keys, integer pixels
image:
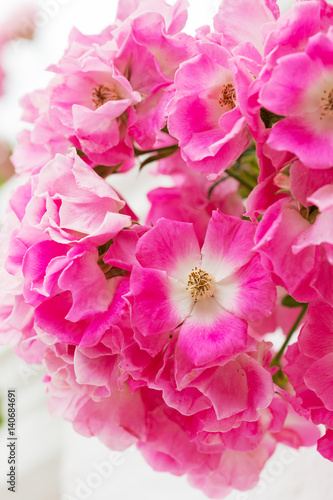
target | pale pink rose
[
  {"x": 38, "y": 146},
  {"x": 243, "y": 21},
  {"x": 67, "y": 213}
]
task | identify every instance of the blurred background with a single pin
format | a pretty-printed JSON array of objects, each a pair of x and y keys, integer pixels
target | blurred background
[{"x": 54, "y": 463}]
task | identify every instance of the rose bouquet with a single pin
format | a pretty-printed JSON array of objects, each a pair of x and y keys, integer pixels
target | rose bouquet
[{"x": 154, "y": 332}]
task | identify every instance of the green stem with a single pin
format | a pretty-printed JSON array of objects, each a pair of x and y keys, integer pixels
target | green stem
[
  {"x": 211, "y": 189},
  {"x": 138, "y": 152},
  {"x": 237, "y": 176},
  {"x": 277, "y": 358}
]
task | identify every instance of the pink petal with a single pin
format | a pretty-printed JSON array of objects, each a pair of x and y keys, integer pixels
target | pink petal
[
  {"x": 171, "y": 246},
  {"x": 313, "y": 147},
  {"x": 88, "y": 286},
  {"x": 285, "y": 92},
  {"x": 210, "y": 332},
  {"x": 157, "y": 307},
  {"x": 316, "y": 337},
  {"x": 319, "y": 378},
  {"x": 325, "y": 445},
  {"x": 305, "y": 184},
  {"x": 242, "y": 21},
  {"x": 228, "y": 245},
  {"x": 253, "y": 294}
]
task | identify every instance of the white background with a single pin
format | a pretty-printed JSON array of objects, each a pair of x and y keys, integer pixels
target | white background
[{"x": 52, "y": 459}]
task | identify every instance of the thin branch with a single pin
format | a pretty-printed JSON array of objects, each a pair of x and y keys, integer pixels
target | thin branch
[
  {"x": 243, "y": 181},
  {"x": 172, "y": 148},
  {"x": 277, "y": 358}
]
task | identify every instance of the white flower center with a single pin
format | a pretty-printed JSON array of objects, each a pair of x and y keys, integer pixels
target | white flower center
[
  {"x": 103, "y": 94},
  {"x": 200, "y": 284}
]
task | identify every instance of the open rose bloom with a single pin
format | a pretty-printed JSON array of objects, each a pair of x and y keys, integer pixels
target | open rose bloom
[{"x": 154, "y": 332}]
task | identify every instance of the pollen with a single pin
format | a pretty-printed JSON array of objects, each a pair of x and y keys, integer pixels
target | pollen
[
  {"x": 228, "y": 96},
  {"x": 200, "y": 284},
  {"x": 103, "y": 94},
  {"x": 326, "y": 104}
]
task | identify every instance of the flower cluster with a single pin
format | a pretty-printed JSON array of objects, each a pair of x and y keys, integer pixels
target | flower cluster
[{"x": 154, "y": 332}]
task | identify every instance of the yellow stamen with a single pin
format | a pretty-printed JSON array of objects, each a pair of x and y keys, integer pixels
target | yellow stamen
[{"x": 200, "y": 284}]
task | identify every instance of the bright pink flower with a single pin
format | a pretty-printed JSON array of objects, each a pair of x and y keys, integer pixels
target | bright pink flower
[
  {"x": 276, "y": 238},
  {"x": 288, "y": 35},
  {"x": 325, "y": 445},
  {"x": 242, "y": 25},
  {"x": 318, "y": 238},
  {"x": 301, "y": 89},
  {"x": 217, "y": 396},
  {"x": 269, "y": 190},
  {"x": 204, "y": 115},
  {"x": 304, "y": 182},
  {"x": 209, "y": 292},
  {"x": 309, "y": 370}
]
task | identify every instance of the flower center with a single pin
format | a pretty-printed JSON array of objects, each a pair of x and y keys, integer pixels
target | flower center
[
  {"x": 200, "y": 284},
  {"x": 326, "y": 104},
  {"x": 228, "y": 96},
  {"x": 103, "y": 94}
]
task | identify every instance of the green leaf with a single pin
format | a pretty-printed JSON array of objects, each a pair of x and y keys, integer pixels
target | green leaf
[
  {"x": 269, "y": 118},
  {"x": 163, "y": 153},
  {"x": 288, "y": 301},
  {"x": 114, "y": 272}
]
